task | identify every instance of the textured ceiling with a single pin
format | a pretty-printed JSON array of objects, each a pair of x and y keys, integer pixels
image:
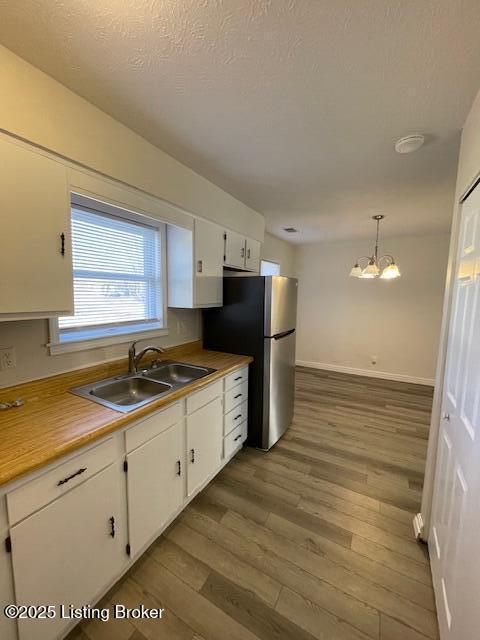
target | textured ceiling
[{"x": 293, "y": 106}]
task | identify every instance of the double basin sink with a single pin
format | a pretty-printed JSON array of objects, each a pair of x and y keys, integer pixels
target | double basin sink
[{"x": 129, "y": 392}]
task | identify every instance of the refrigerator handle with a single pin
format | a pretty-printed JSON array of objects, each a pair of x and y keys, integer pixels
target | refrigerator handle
[{"x": 279, "y": 336}]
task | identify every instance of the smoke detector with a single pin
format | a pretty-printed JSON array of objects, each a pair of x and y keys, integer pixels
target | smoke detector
[{"x": 408, "y": 144}]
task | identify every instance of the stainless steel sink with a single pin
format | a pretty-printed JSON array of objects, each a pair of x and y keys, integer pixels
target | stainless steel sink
[
  {"x": 126, "y": 393},
  {"x": 129, "y": 391},
  {"x": 176, "y": 373}
]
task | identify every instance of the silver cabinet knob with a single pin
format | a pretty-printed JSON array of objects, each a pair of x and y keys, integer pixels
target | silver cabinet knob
[{"x": 446, "y": 416}]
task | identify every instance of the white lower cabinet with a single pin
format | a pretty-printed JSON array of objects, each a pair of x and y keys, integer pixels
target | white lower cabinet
[
  {"x": 155, "y": 485},
  {"x": 204, "y": 443},
  {"x": 71, "y": 526},
  {"x": 69, "y": 551}
]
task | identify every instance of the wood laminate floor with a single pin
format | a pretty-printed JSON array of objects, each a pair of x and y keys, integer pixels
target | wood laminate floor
[{"x": 312, "y": 540}]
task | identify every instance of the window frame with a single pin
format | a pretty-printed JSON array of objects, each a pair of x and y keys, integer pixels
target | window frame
[{"x": 56, "y": 346}]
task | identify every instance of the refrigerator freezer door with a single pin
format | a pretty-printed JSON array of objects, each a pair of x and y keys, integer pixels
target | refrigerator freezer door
[
  {"x": 279, "y": 388},
  {"x": 280, "y": 304}
]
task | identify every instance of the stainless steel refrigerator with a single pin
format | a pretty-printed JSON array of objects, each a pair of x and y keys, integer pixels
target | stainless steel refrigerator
[{"x": 258, "y": 318}]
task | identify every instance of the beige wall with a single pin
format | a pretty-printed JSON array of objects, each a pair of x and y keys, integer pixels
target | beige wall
[
  {"x": 37, "y": 108},
  {"x": 343, "y": 321},
  {"x": 29, "y": 338},
  {"x": 469, "y": 159},
  {"x": 278, "y": 250}
]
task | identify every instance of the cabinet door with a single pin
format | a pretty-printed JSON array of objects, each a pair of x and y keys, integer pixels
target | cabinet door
[
  {"x": 208, "y": 264},
  {"x": 252, "y": 255},
  {"x": 204, "y": 443},
  {"x": 234, "y": 250},
  {"x": 36, "y": 274},
  {"x": 69, "y": 551},
  {"x": 155, "y": 485}
]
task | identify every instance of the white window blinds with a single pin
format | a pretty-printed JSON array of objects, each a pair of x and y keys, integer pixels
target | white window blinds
[{"x": 117, "y": 276}]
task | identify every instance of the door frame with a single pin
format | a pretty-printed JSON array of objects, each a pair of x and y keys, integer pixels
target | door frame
[{"x": 422, "y": 521}]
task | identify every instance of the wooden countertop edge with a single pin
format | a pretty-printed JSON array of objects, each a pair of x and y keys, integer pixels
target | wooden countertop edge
[{"x": 119, "y": 420}]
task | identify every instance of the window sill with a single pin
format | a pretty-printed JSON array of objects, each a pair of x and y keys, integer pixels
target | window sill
[{"x": 57, "y": 348}]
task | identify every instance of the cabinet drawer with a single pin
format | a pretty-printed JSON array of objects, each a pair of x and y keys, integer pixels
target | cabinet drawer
[
  {"x": 235, "y": 417},
  {"x": 204, "y": 396},
  {"x": 236, "y": 378},
  {"x": 232, "y": 442},
  {"x": 152, "y": 426},
  {"x": 235, "y": 396},
  {"x": 51, "y": 485}
]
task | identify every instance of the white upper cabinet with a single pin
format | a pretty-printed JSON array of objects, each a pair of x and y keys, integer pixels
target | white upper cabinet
[
  {"x": 195, "y": 265},
  {"x": 35, "y": 254},
  {"x": 240, "y": 252},
  {"x": 252, "y": 255},
  {"x": 234, "y": 254},
  {"x": 208, "y": 249}
]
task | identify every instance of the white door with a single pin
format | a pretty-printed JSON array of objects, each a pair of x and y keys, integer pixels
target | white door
[
  {"x": 252, "y": 255},
  {"x": 155, "y": 485},
  {"x": 69, "y": 551},
  {"x": 234, "y": 250},
  {"x": 204, "y": 443},
  {"x": 454, "y": 541},
  {"x": 208, "y": 244},
  {"x": 35, "y": 261}
]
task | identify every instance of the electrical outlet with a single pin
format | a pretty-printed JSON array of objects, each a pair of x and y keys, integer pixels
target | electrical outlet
[{"x": 8, "y": 358}]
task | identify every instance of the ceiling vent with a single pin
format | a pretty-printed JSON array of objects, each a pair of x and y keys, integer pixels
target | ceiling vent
[{"x": 290, "y": 230}]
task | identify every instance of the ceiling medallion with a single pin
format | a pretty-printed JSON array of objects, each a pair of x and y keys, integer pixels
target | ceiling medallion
[{"x": 383, "y": 267}]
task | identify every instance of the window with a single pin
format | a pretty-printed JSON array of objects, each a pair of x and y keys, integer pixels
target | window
[
  {"x": 268, "y": 268},
  {"x": 117, "y": 276}
]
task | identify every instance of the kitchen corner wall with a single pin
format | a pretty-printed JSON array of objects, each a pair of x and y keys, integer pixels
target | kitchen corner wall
[{"x": 344, "y": 322}]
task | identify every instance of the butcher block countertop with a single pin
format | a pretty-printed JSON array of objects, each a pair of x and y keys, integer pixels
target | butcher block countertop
[{"x": 54, "y": 422}]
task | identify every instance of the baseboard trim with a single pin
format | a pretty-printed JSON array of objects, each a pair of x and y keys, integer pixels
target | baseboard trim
[
  {"x": 418, "y": 527},
  {"x": 397, "y": 377}
]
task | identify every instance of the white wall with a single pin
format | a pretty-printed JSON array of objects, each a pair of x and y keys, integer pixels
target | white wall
[
  {"x": 469, "y": 159},
  {"x": 38, "y": 109},
  {"x": 277, "y": 250},
  {"x": 343, "y": 321},
  {"x": 33, "y": 360}
]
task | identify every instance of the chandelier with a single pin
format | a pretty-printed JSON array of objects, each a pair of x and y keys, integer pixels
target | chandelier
[{"x": 373, "y": 266}]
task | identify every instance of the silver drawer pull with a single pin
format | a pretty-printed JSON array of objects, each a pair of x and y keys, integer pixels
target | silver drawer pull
[
  {"x": 77, "y": 473},
  {"x": 237, "y": 396},
  {"x": 237, "y": 417}
]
